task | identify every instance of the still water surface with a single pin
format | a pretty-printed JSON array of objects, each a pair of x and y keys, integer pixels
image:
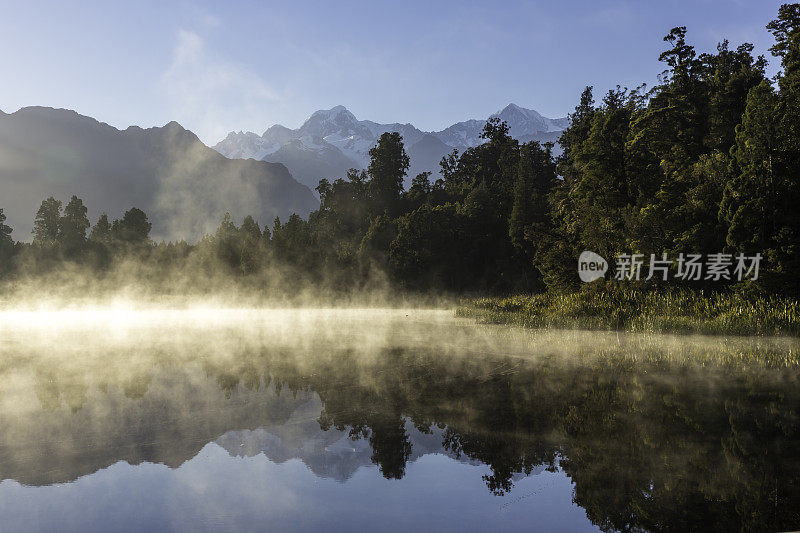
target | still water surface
[{"x": 387, "y": 420}]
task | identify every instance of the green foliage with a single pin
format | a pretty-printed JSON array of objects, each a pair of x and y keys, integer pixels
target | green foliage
[
  {"x": 388, "y": 165},
  {"x": 786, "y": 31},
  {"x": 133, "y": 228},
  {"x": 101, "y": 231},
  {"x": 679, "y": 311},
  {"x": 5, "y": 232},
  {"x": 292, "y": 242},
  {"x": 426, "y": 241},
  {"x": 419, "y": 191},
  {"x": 226, "y": 241},
  {"x": 6, "y": 244},
  {"x": 750, "y": 200},
  {"x": 707, "y": 161},
  {"x": 73, "y": 226},
  {"x": 47, "y": 223},
  {"x": 535, "y": 180},
  {"x": 374, "y": 247},
  {"x": 251, "y": 246}
]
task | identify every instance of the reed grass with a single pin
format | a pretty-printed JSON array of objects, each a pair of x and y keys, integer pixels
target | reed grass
[{"x": 675, "y": 311}]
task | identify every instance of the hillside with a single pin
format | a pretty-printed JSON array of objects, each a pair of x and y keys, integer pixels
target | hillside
[{"x": 183, "y": 185}]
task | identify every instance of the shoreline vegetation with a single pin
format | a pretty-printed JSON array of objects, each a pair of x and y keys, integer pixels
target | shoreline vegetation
[{"x": 635, "y": 310}]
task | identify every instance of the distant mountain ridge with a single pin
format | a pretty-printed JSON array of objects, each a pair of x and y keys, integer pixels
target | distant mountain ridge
[
  {"x": 184, "y": 186},
  {"x": 333, "y": 140},
  {"x": 329, "y": 453}
]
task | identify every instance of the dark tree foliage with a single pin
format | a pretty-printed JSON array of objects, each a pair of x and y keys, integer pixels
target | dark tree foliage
[
  {"x": 47, "y": 223},
  {"x": 101, "y": 231},
  {"x": 388, "y": 165},
  {"x": 6, "y": 244},
  {"x": 132, "y": 228},
  {"x": 707, "y": 161},
  {"x": 72, "y": 231},
  {"x": 419, "y": 191},
  {"x": 5, "y": 232}
]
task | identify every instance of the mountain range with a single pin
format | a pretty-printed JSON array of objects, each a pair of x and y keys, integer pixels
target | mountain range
[
  {"x": 61, "y": 444},
  {"x": 332, "y": 141},
  {"x": 184, "y": 186},
  {"x": 329, "y": 453}
]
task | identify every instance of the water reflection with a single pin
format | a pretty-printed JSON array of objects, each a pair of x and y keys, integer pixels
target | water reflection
[{"x": 654, "y": 432}]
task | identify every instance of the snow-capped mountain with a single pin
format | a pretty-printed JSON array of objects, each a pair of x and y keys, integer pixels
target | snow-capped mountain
[
  {"x": 333, "y": 140},
  {"x": 327, "y": 453},
  {"x": 524, "y": 124},
  {"x": 462, "y": 135}
]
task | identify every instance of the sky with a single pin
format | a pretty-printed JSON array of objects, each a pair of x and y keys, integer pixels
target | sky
[{"x": 231, "y": 66}]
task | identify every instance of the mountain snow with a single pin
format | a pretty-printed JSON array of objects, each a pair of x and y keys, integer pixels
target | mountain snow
[
  {"x": 336, "y": 135},
  {"x": 339, "y": 128}
]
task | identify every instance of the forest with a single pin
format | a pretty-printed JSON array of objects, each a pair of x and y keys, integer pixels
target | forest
[{"x": 707, "y": 161}]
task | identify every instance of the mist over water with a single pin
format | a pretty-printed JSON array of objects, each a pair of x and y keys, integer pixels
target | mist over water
[{"x": 206, "y": 417}]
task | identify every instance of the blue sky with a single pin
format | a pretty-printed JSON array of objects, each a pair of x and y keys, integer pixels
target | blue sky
[{"x": 217, "y": 67}]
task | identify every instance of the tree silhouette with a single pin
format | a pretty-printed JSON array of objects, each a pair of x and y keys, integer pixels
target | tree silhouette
[
  {"x": 47, "y": 223},
  {"x": 73, "y": 226},
  {"x": 132, "y": 228},
  {"x": 101, "y": 231},
  {"x": 388, "y": 165}
]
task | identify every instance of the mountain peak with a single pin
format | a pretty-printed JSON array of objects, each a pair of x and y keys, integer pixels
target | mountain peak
[
  {"x": 515, "y": 110},
  {"x": 163, "y": 170},
  {"x": 334, "y": 112},
  {"x": 523, "y": 122},
  {"x": 332, "y": 125},
  {"x": 332, "y": 140},
  {"x": 175, "y": 129},
  {"x": 173, "y": 125}
]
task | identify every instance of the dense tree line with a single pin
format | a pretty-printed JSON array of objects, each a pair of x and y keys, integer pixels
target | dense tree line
[{"x": 704, "y": 162}]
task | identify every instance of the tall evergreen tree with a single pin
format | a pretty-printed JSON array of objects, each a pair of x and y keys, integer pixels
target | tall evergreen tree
[
  {"x": 750, "y": 204},
  {"x": 132, "y": 228},
  {"x": 557, "y": 245},
  {"x": 47, "y": 223},
  {"x": 72, "y": 230},
  {"x": 599, "y": 191},
  {"x": 5, "y": 231},
  {"x": 227, "y": 242},
  {"x": 387, "y": 167},
  {"x": 419, "y": 191},
  {"x": 6, "y": 243},
  {"x": 250, "y": 245},
  {"x": 785, "y": 168},
  {"x": 535, "y": 179},
  {"x": 101, "y": 231}
]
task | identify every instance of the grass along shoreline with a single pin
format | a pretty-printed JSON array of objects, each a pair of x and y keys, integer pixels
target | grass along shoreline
[{"x": 677, "y": 311}]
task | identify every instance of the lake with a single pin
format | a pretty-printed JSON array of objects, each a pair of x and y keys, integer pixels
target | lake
[{"x": 198, "y": 419}]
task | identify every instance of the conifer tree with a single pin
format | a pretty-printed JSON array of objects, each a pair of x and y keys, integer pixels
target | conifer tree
[{"x": 47, "y": 223}]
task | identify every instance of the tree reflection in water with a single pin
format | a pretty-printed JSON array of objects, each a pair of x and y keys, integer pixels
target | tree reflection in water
[{"x": 655, "y": 433}]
